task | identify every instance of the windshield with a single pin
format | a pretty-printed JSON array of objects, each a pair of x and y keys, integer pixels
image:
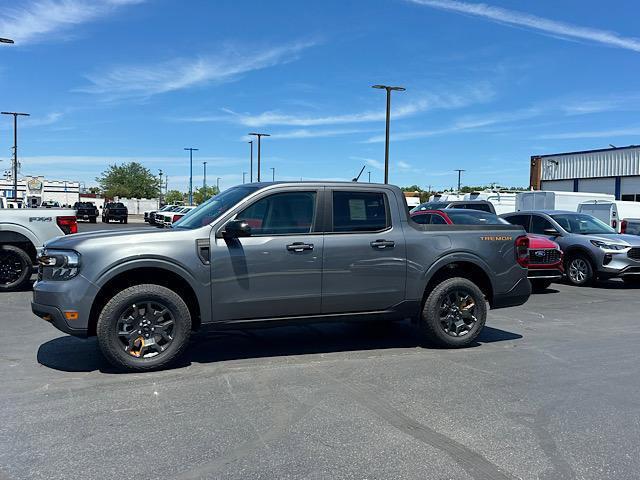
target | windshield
[
  {"x": 431, "y": 206},
  {"x": 582, "y": 224},
  {"x": 474, "y": 217},
  {"x": 209, "y": 211}
]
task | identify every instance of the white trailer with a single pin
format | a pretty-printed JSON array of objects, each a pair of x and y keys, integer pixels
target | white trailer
[
  {"x": 611, "y": 212},
  {"x": 546, "y": 200},
  {"x": 446, "y": 197},
  {"x": 503, "y": 202}
]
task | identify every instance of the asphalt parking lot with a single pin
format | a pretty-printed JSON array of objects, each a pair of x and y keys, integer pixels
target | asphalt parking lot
[{"x": 550, "y": 391}]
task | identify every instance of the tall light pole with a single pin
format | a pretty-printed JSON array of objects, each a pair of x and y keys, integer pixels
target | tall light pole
[
  {"x": 244, "y": 175},
  {"x": 369, "y": 172},
  {"x": 160, "y": 199},
  {"x": 204, "y": 181},
  {"x": 218, "y": 184},
  {"x": 273, "y": 174},
  {"x": 15, "y": 149},
  {"x": 259, "y": 135},
  {"x": 459, "y": 176},
  {"x": 386, "y": 137},
  {"x": 251, "y": 161},
  {"x": 191, "y": 150}
]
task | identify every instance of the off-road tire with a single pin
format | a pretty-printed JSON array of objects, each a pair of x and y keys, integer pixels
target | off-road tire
[
  {"x": 112, "y": 347},
  {"x": 26, "y": 266},
  {"x": 429, "y": 321},
  {"x": 589, "y": 275}
]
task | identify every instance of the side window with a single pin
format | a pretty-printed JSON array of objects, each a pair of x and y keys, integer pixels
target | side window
[
  {"x": 359, "y": 212},
  {"x": 539, "y": 224},
  {"x": 522, "y": 220},
  {"x": 281, "y": 213},
  {"x": 437, "y": 220},
  {"x": 481, "y": 206},
  {"x": 423, "y": 219}
]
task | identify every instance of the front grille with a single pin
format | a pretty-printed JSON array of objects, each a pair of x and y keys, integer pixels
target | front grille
[
  {"x": 634, "y": 253},
  {"x": 544, "y": 256}
]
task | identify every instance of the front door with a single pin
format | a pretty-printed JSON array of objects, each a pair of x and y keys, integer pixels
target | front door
[
  {"x": 277, "y": 270},
  {"x": 364, "y": 252}
]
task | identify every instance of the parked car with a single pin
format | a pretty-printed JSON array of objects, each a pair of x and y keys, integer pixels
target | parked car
[
  {"x": 611, "y": 212},
  {"x": 172, "y": 217},
  {"x": 50, "y": 204},
  {"x": 630, "y": 226},
  {"x": 592, "y": 249},
  {"x": 86, "y": 211},
  {"x": 23, "y": 232},
  {"x": 150, "y": 217},
  {"x": 115, "y": 211},
  {"x": 482, "y": 205},
  {"x": 270, "y": 253},
  {"x": 545, "y": 257}
]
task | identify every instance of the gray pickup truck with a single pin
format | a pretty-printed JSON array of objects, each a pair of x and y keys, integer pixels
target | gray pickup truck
[{"x": 268, "y": 253}]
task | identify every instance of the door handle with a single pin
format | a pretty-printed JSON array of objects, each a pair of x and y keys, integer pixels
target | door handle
[
  {"x": 299, "y": 247},
  {"x": 380, "y": 244}
]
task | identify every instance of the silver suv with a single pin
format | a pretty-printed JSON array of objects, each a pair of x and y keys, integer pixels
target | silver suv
[{"x": 592, "y": 248}]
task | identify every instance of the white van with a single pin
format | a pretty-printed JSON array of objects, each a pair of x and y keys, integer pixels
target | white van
[
  {"x": 547, "y": 200},
  {"x": 611, "y": 212},
  {"x": 503, "y": 202}
]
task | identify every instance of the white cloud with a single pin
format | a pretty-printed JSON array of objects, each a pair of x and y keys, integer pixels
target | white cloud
[
  {"x": 306, "y": 133},
  {"x": 37, "y": 20},
  {"x": 377, "y": 164},
  {"x": 522, "y": 19},
  {"x": 425, "y": 101},
  {"x": 180, "y": 73},
  {"x": 622, "y": 132}
]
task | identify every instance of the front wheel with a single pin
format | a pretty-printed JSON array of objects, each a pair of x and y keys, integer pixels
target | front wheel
[
  {"x": 144, "y": 327},
  {"x": 579, "y": 270},
  {"x": 15, "y": 268},
  {"x": 454, "y": 313}
]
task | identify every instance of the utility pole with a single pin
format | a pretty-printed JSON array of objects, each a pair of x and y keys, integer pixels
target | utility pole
[
  {"x": 204, "y": 181},
  {"x": 191, "y": 150},
  {"x": 251, "y": 164},
  {"x": 259, "y": 135},
  {"x": 273, "y": 174},
  {"x": 369, "y": 172},
  {"x": 15, "y": 149},
  {"x": 386, "y": 138},
  {"x": 244, "y": 175},
  {"x": 459, "y": 176},
  {"x": 160, "y": 199}
]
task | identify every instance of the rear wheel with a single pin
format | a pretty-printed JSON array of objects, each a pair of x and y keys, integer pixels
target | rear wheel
[
  {"x": 540, "y": 285},
  {"x": 144, "y": 327},
  {"x": 454, "y": 313},
  {"x": 15, "y": 268},
  {"x": 579, "y": 270}
]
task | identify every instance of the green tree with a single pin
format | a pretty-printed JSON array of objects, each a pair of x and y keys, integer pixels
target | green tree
[
  {"x": 173, "y": 197},
  {"x": 94, "y": 190},
  {"x": 200, "y": 195},
  {"x": 129, "y": 180}
]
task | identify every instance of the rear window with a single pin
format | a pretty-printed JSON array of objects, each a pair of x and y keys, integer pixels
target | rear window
[{"x": 359, "y": 212}]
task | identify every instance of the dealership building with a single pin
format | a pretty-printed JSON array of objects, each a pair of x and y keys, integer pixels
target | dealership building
[
  {"x": 35, "y": 190},
  {"x": 613, "y": 170}
]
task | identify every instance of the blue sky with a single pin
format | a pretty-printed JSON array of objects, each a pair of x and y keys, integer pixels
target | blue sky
[{"x": 488, "y": 85}]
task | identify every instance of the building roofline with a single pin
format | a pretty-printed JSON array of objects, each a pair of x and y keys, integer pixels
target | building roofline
[{"x": 586, "y": 151}]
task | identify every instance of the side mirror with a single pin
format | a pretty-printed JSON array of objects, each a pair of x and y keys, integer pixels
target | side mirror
[
  {"x": 551, "y": 232},
  {"x": 236, "y": 229}
]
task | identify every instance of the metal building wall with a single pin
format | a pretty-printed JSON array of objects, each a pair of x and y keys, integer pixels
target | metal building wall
[{"x": 598, "y": 163}]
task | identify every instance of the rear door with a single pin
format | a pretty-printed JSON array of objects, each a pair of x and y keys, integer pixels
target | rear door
[{"x": 364, "y": 266}]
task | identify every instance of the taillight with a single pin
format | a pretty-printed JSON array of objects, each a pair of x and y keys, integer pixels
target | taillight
[
  {"x": 176, "y": 218},
  {"x": 522, "y": 250},
  {"x": 67, "y": 224},
  {"x": 623, "y": 226},
  {"x": 614, "y": 223}
]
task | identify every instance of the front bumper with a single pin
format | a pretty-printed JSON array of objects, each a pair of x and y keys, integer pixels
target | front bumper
[
  {"x": 618, "y": 265},
  {"x": 547, "y": 273},
  {"x": 51, "y": 299}
]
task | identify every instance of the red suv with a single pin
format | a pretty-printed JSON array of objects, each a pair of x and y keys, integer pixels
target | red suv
[{"x": 545, "y": 257}]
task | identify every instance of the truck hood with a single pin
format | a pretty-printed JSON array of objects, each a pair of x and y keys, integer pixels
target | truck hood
[
  {"x": 540, "y": 242},
  {"x": 110, "y": 239}
]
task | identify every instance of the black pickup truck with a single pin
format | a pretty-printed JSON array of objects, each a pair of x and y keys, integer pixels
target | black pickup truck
[
  {"x": 86, "y": 211},
  {"x": 114, "y": 211}
]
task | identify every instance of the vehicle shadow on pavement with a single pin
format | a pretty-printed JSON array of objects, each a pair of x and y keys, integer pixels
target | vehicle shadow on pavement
[{"x": 72, "y": 354}]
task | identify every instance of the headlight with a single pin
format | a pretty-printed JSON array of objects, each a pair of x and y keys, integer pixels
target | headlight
[
  {"x": 58, "y": 264},
  {"x": 611, "y": 247}
]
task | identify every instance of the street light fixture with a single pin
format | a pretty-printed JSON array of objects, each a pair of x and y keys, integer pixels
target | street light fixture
[
  {"x": 160, "y": 196},
  {"x": 204, "y": 182},
  {"x": 259, "y": 135},
  {"x": 386, "y": 141},
  {"x": 15, "y": 149},
  {"x": 251, "y": 162},
  {"x": 191, "y": 150}
]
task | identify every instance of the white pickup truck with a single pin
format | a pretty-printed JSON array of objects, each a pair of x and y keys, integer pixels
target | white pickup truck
[{"x": 23, "y": 232}]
